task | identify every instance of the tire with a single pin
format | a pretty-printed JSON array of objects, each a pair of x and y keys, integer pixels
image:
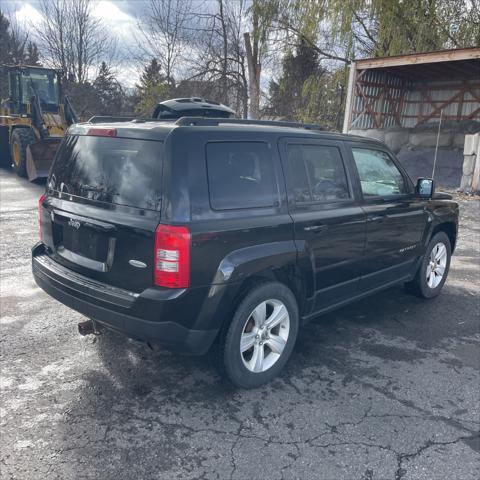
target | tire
[
  {"x": 21, "y": 138},
  {"x": 5, "y": 160},
  {"x": 246, "y": 370},
  {"x": 439, "y": 251}
]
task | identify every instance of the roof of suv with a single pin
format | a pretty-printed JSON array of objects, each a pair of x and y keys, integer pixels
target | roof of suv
[{"x": 153, "y": 129}]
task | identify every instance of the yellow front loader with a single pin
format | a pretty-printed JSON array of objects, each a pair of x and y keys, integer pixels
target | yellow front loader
[{"x": 33, "y": 119}]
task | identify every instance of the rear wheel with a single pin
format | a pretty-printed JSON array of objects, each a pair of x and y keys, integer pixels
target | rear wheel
[
  {"x": 433, "y": 271},
  {"x": 5, "y": 160},
  {"x": 21, "y": 139},
  {"x": 260, "y": 338}
]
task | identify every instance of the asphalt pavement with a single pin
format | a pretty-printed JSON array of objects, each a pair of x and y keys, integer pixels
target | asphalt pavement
[{"x": 387, "y": 388}]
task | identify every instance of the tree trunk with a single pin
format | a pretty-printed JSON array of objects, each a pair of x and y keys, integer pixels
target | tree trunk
[
  {"x": 254, "y": 71},
  {"x": 223, "y": 80}
]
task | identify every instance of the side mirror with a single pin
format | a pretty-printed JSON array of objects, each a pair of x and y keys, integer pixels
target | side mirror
[{"x": 425, "y": 187}]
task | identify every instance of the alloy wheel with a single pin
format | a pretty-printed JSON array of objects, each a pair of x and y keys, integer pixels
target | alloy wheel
[
  {"x": 264, "y": 335},
  {"x": 436, "y": 265}
]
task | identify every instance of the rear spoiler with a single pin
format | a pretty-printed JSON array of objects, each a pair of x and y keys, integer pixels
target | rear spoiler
[{"x": 108, "y": 119}]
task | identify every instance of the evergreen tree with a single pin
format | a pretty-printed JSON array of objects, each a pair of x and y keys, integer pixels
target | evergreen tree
[
  {"x": 5, "y": 40},
  {"x": 306, "y": 92},
  {"x": 32, "y": 56},
  {"x": 15, "y": 46},
  {"x": 286, "y": 96},
  {"x": 152, "y": 89},
  {"x": 109, "y": 92},
  {"x": 151, "y": 75}
]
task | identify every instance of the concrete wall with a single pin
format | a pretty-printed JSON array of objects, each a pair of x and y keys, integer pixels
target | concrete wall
[
  {"x": 415, "y": 148},
  {"x": 471, "y": 164}
]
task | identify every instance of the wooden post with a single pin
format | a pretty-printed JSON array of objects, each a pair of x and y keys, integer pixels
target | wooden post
[
  {"x": 350, "y": 98},
  {"x": 460, "y": 102}
]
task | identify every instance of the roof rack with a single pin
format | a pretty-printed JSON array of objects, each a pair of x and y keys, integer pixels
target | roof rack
[{"x": 212, "y": 122}]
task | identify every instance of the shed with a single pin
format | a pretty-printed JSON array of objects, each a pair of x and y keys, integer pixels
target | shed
[{"x": 400, "y": 99}]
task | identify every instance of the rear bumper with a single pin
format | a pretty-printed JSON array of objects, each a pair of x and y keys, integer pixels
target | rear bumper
[{"x": 122, "y": 310}]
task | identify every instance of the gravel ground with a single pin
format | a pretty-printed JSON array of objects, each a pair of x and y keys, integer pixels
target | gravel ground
[{"x": 386, "y": 388}]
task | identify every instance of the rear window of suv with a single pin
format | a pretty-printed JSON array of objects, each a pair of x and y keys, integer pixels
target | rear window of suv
[
  {"x": 241, "y": 175},
  {"x": 120, "y": 171}
]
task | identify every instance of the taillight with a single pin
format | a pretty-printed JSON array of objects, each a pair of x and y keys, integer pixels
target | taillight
[
  {"x": 172, "y": 256},
  {"x": 40, "y": 202},
  {"x": 102, "y": 132}
]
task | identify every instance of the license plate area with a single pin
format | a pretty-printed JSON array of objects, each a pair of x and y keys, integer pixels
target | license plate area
[{"x": 86, "y": 242}]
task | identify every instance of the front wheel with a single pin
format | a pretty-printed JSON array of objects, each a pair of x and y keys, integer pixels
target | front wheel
[
  {"x": 260, "y": 338},
  {"x": 433, "y": 271},
  {"x": 21, "y": 139}
]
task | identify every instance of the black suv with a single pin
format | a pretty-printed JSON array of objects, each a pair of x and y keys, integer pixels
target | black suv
[{"x": 228, "y": 233}]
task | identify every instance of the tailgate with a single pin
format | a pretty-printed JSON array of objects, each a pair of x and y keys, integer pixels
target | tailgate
[
  {"x": 112, "y": 247},
  {"x": 103, "y": 206}
]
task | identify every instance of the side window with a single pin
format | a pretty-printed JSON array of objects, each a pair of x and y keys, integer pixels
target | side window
[
  {"x": 317, "y": 173},
  {"x": 241, "y": 175},
  {"x": 379, "y": 176}
]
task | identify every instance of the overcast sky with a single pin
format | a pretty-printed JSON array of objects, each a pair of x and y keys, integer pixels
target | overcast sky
[{"x": 119, "y": 17}]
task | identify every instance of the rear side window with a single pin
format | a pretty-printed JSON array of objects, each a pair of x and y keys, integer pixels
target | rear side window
[
  {"x": 241, "y": 175},
  {"x": 120, "y": 171},
  {"x": 316, "y": 173}
]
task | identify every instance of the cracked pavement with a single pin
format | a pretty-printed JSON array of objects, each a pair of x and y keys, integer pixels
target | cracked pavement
[{"x": 386, "y": 388}]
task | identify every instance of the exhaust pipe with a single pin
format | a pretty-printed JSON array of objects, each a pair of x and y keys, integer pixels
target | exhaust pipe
[{"x": 89, "y": 327}]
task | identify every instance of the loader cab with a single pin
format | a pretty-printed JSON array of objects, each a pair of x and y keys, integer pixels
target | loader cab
[{"x": 27, "y": 82}]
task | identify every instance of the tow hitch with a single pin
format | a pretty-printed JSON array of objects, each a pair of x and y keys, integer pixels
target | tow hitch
[{"x": 89, "y": 327}]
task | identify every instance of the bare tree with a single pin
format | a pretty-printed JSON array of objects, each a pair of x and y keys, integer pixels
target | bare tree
[
  {"x": 217, "y": 55},
  {"x": 254, "y": 70},
  {"x": 72, "y": 38},
  {"x": 257, "y": 44},
  {"x": 16, "y": 40},
  {"x": 164, "y": 33}
]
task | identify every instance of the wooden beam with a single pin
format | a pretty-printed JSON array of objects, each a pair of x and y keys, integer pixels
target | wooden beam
[
  {"x": 395, "y": 104},
  {"x": 473, "y": 114},
  {"x": 439, "y": 88},
  {"x": 420, "y": 58},
  {"x": 379, "y": 84},
  {"x": 417, "y": 102},
  {"x": 438, "y": 109},
  {"x": 472, "y": 93},
  {"x": 460, "y": 102},
  {"x": 452, "y": 117},
  {"x": 422, "y": 104},
  {"x": 402, "y": 100},
  {"x": 368, "y": 108},
  {"x": 381, "y": 103},
  {"x": 347, "y": 120}
]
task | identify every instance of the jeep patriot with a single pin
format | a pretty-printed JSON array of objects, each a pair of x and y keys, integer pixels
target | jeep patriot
[{"x": 229, "y": 235}]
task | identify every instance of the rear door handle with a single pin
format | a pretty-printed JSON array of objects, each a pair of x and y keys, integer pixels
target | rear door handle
[
  {"x": 376, "y": 218},
  {"x": 316, "y": 228}
]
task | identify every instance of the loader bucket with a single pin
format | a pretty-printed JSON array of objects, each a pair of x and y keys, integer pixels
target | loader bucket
[{"x": 40, "y": 157}]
